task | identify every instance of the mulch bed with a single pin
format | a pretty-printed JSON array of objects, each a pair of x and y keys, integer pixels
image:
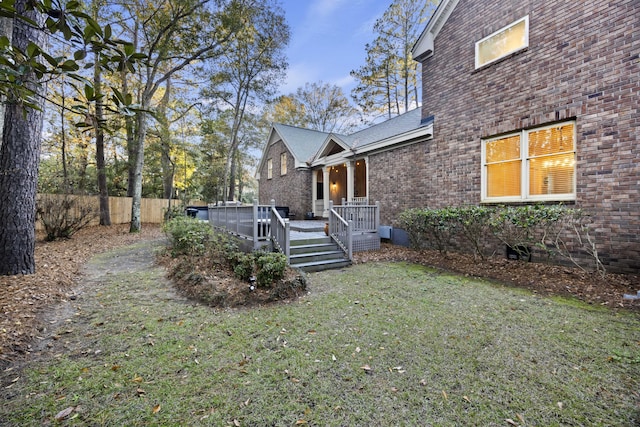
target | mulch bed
[{"x": 543, "y": 279}]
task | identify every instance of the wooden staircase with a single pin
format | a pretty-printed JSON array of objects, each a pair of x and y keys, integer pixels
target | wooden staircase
[{"x": 316, "y": 254}]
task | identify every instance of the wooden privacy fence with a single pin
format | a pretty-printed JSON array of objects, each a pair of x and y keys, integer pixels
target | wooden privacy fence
[{"x": 151, "y": 210}]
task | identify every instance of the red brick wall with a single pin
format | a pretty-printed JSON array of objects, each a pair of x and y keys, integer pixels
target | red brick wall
[
  {"x": 582, "y": 62},
  {"x": 292, "y": 189}
]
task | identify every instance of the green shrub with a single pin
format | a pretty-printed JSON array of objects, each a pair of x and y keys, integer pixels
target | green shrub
[
  {"x": 271, "y": 267},
  {"x": 244, "y": 265},
  {"x": 473, "y": 224},
  {"x": 550, "y": 230},
  {"x": 174, "y": 211},
  {"x": 527, "y": 227},
  {"x": 430, "y": 227},
  {"x": 188, "y": 236}
]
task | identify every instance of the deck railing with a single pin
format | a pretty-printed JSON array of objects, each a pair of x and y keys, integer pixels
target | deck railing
[
  {"x": 260, "y": 223},
  {"x": 366, "y": 218},
  {"x": 341, "y": 231},
  {"x": 251, "y": 222},
  {"x": 280, "y": 232},
  {"x": 263, "y": 223}
]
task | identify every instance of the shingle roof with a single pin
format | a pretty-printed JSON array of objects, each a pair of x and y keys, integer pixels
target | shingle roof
[
  {"x": 303, "y": 143},
  {"x": 387, "y": 129}
]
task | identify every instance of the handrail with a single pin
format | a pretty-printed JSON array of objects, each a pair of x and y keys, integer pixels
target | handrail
[
  {"x": 280, "y": 235},
  {"x": 341, "y": 231}
]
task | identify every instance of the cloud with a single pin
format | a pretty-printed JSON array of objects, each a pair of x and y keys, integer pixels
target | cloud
[
  {"x": 297, "y": 75},
  {"x": 324, "y": 8}
]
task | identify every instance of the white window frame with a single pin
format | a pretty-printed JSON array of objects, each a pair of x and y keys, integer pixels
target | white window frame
[
  {"x": 283, "y": 163},
  {"x": 513, "y": 24},
  {"x": 269, "y": 168},
  {"x": 524, "y": 169}
]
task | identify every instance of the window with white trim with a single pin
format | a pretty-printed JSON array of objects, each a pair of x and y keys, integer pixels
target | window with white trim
[
  {"x": 283, "y": 164},
  {"x": 535, "y": 164},
  {"x": 269, "y": 168},
  {"x": 510, "y": 39}
]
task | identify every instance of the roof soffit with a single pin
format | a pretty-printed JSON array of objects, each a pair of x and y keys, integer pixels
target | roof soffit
[{"x": 424, "y": 47}]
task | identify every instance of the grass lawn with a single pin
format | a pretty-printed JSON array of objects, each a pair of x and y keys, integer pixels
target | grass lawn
[{"x": 376, "y": 344}]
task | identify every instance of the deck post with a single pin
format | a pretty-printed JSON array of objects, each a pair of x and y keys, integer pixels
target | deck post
[
  {"x": 330, "y": 217},
  {"x": 287, "y": 240},
  {"x": 350, "y": 239},
  {"x": 255, "y": 225},
  {"x": 377, "y": 224}
]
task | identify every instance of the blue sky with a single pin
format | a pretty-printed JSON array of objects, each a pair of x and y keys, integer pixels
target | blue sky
[{"x": 328, "y": 39}]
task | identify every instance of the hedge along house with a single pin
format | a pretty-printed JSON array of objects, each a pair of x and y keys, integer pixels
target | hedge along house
[
  {"x": 534, "y": 101},
  {"x": 306, "y": 169}
]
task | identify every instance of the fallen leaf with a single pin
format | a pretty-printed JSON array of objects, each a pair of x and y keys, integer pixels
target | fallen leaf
[
  {"x": 423, "y": 382},
  {"x": 115, "y": 367},
  {"x": 64, "y": 413},
  {"x": 366, "y": 368},
  {"x": 560, "y": 405},
  {"x": 520, "y": 417},
  {"x": 156, "y": 409},
  {"x": 444, "y": 394},
  {"x": 300, "y": 422},
  {"x": 236, "y": 423},
  {"x": 510, "y": 421},
  {"x": 137, "y": 379}
]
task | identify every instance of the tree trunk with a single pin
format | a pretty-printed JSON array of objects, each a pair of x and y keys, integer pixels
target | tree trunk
[
  {"x": 168, "y": 168},
  {"x": 105, "y": 215},
  {"x": 141, "y": 124},
  {"x": 129, "y": 125},
  {"x": 6, "y": 29},
  {"x": 19, "y": 161}
]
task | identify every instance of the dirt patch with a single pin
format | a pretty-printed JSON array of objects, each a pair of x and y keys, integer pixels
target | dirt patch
[{"x": 24, "y": 300}]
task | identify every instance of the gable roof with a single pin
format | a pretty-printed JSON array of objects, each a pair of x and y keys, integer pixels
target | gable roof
[
  {"x": 403, "y": 129},
  {"x": 425, "y": 45},
  {"x": 302, "y": 143},
  {"x": 314, "y": 148}
]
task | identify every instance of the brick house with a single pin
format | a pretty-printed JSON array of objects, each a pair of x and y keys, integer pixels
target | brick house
[
  {"x": 300, "y": 166},
  {"x": 523, "y": 102}
]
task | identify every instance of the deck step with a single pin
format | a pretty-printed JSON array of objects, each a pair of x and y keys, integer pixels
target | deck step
[
  {"x": 321, "y": 247},
  {"x": 317, "y": 254},
  {"x": 316, "y": 257},
  {"x": 311, "y": 241},
  {"x": 323, "y": 265}
]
